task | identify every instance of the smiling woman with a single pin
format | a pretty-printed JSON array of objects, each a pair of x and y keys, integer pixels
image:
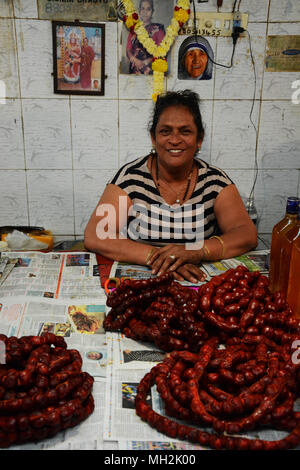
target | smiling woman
[{"x": 170, "y": 209}]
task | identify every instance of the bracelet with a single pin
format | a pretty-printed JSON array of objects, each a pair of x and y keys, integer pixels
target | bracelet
[
  {"x": 149, "y": 255},
  {"x": 222, "y": 243},
  {"x": 206, "y": 251}
]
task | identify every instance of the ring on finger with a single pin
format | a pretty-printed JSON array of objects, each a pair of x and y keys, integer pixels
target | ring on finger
[{"x": 172, "y": 257}]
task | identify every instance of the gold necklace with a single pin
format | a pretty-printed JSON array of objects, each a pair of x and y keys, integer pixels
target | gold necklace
[{"x": 177, "y": 193}]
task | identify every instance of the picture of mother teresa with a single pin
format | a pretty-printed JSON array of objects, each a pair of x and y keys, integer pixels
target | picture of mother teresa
[{"x": 193, "y": 59}]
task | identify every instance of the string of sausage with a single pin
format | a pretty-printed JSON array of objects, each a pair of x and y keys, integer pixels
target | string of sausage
[
  {"x": 42, "y": 389},
  {"x": 229, "y": 365}
]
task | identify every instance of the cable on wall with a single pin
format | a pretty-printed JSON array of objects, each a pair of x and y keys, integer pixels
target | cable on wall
[
  {"x": 208, "y": 56},
  {"x": 254, "y": 126}
]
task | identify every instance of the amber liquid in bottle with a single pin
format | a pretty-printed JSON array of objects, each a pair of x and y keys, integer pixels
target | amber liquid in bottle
[
  {"x": 293, "y": 293},
  {"x": 288, "y": 240},
  {"x": 289, "y": 220}
]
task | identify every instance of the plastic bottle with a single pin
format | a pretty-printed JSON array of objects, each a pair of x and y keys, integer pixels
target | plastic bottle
[
  {"x": 288, "y": 239},
  {"x": 289, "y": 220},
  {"x": 251, "y": 209},
  {"x": 293, "y": 293}
]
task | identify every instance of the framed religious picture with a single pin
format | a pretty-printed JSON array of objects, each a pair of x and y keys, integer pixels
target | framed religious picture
[
  {"x": 195, "y": 59},
  {"x": 78, "y": 58},
  {"x": 156, "y": 16}
]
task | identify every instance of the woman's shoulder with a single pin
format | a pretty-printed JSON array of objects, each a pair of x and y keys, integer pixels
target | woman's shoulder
[{"x": 135, "y": 167}]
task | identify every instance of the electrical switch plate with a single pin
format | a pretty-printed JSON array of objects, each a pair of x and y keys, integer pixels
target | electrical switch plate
[{"x": 215, "y": 23}]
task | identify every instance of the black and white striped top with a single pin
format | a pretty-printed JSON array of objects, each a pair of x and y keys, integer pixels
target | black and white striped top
[{"x": 154, "y": 221}]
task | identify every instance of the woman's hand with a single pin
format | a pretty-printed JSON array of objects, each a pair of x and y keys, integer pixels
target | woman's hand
[
  {"x": 177, "y": 259},
  {"x": 189, "y": 272}
]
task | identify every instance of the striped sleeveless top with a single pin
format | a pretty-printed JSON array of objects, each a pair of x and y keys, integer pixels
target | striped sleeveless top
[{"x": 152, "y": 220}]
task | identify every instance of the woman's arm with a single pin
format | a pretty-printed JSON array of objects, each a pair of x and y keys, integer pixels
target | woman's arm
[
  {"x": 102, "y": 233},
  {"x": 239, "y": 235}
]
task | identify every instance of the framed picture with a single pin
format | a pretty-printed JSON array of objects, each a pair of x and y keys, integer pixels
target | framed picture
[
  {"x": 78, "y": 58},
  {"x": 156, "y": 16}
]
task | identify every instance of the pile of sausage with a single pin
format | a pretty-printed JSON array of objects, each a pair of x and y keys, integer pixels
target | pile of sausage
[
  {"x": 42, "y": 389},
  {"x": 232, "y": 363}
]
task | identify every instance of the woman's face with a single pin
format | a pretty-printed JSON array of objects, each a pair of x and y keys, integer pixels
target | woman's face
[
  {"x": 195, "y": 62},
  {"x": 146, "y": 12},
  {"x": 176, "y": 137}
]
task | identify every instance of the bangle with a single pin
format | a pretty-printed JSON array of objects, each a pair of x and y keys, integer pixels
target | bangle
[
  {"x": 222, "y": 243},
  {"x": 206, "y": 251},
  {"x": 149, "y": 255}
]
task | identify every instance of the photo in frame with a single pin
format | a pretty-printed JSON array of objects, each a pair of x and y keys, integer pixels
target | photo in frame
[
  {"x": 156, "y": 16},
  {"x": 78, "y": 58}
]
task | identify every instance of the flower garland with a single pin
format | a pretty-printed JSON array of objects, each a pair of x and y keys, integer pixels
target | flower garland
[{"x": 159, "y": 62}]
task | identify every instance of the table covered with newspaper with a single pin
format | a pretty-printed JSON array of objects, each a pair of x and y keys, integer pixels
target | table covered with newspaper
[{"x": 60, "y": 292}]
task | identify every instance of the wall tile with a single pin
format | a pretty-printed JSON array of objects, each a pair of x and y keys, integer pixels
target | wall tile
[
  {"x": 256, "y": 9},
  {"x": 88, "y": 187},
  {"x": 279, "y": 137},
  {"x": 13, "y": 197},
  {"x": 8, "y": 58},
  {"x": 278, "y": 85},
  {"x": 238, "y": 82},
  {"x": 233, "y": 141},
  {"x": 25, "y": 8},
  {"x": 47, "y": 133},
  {"x": 271, "y": 191},
  {"x": 34, "y": 41},
  {"x": 6, "y": 9},
  {"x": 243, "y": 179},
  {"x": 50, "y": 196},
  {"x": 111, "y": 60},
  {"x": 11, "y": 136},
  {"x": 133, "y": 134},
  {"x": 206, "y": 108},
  {"x": 284, "y": 10},
  {"x": 95, "y": 133}
]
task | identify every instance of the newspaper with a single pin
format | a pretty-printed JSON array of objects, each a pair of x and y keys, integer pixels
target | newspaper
[
  {"x": 126, "y": 353},
  {"x": 253, "y": 260},
  {"x": 60, "y": 293},
  {"x": 120, "y": 418},
  {"x": 53, "y": 275},
  {"x": 135, "y": 271},
  {"x": 158, "y": 445},
  {"x": 21, "y": 316}
]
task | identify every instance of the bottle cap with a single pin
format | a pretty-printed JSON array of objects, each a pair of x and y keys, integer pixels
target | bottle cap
[{"x": 292, "y": 205}]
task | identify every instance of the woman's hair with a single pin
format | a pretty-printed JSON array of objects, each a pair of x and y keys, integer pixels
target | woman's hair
[
  {"x": 149, "y": 1},
  {"x": 187, "y": 98}
]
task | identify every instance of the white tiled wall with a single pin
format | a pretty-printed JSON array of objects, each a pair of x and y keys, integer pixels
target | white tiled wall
[{"x": 57, "y": 151}]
